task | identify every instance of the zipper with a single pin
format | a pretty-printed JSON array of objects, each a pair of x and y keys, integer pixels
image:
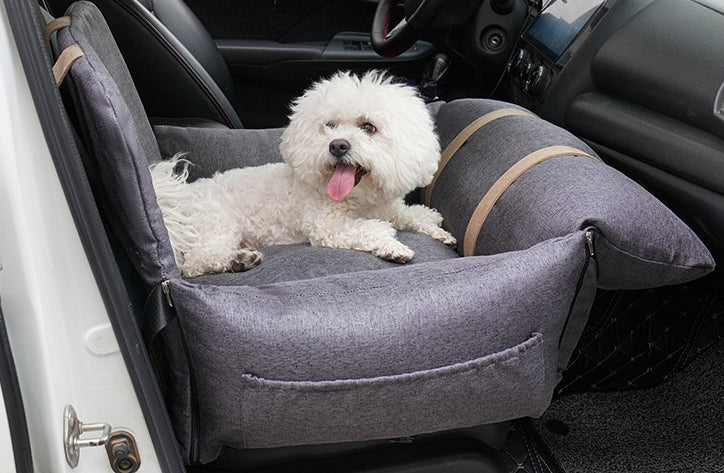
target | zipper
[
  {"x": 590, "y": 255},
  {"x": 194, "y": 426},
  {"x": 589, "y": 242},
  {"x": 166, "y": 292}
]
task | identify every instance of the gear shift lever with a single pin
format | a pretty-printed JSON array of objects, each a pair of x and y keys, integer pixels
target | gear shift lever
[{"x": 435, "y": 69}]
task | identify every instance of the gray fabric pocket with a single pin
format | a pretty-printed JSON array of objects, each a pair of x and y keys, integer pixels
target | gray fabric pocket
[{"x": 453, "y": 396}]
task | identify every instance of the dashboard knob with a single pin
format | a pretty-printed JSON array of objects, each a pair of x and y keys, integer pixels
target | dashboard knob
[
  {"x": 538, "y": 80},
  {"x": 520, "y": 64}
]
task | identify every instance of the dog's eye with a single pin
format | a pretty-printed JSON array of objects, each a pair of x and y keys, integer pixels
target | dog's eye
[
  {"x": 330, "y": 125},
  {"x": 368, "y": 128}
]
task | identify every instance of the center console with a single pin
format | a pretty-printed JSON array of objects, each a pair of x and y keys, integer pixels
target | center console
[{"x": 547, "y": 44}]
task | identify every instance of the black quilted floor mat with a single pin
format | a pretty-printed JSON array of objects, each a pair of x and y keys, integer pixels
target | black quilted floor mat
[{"x": 636, "y": 339}]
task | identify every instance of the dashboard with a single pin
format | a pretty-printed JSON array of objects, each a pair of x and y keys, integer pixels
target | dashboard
[
  {"x": 642, "y": 82},
  {"x": 547, "y": 44},
  {"x": 558, "y": 25}
]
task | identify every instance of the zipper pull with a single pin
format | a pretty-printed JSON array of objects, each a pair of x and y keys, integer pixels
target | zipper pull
[
  {"x": 589, "y": 242},
  {"x": 167, "y": 293}
]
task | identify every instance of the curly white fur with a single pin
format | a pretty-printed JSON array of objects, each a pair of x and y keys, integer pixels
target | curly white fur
[{"x": 216, "y": 224}]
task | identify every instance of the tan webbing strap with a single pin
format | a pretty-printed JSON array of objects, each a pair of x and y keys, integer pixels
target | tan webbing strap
[
  {"x": 491, "y": 197},
  {"x": 465, "y": 135},
  {"x": 53, "y": 26},
  {"x": 65, "y": 61}
]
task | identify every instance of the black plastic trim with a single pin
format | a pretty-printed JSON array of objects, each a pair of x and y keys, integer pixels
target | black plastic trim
[
  {"x": 339, "y": 49},
  {"x": 701, "y": 208},
  {"x": 26, "y": 22},
  {"x": 653, "y": 138},
  {"x": 343, "y": 47},
  {"x": 576, "y": 77},
  {"x": 667, "y": 58},
  {"x": 258, "y": 51},
  {"x": 13, "y": 398}
]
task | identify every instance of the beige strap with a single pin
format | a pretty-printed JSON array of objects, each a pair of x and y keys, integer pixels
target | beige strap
[
  {"x": 53, "y": 26},
  {"x": 465, "y": 135},
  {"x": 491, "y": 197},
  {"x": 65, "y": 61}
]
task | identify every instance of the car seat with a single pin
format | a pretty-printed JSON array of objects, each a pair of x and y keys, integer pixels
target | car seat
[
  {"x": 178, "y": 72},
  {"x": 335, "y": 350}
]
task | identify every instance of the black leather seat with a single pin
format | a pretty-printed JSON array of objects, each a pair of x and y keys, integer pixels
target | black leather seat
[{"x": 177, "y": 69}]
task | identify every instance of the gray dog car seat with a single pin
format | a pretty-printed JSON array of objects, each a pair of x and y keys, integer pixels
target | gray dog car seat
[{"x": 323, "y": 346}]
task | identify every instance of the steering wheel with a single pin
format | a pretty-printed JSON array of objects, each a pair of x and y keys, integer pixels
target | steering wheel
[{"x": 393, "y": 42}]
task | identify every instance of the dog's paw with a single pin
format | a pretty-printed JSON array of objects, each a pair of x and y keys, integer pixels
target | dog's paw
[
  {"x": 244, "y": 260},
  {"x": 440, "y": 235},
  {"x": 445, "y": 237},
  {"x": 395, "y": 251}
]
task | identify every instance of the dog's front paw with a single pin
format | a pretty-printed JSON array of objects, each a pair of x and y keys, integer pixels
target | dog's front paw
[
  {"x": 244, "y": 260},
  {"x": 439, "y": 234},
  {"x": 394, "y": 251},
  {"x": 445, "y": 237}
]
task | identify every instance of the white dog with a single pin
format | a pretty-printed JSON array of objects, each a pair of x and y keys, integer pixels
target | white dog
[{"x": 355, "y": 146}]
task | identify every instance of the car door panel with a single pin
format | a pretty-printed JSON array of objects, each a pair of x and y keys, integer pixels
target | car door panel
[
  {"x": 285, "y": 21},
  {"x": 274, "y": 50}
]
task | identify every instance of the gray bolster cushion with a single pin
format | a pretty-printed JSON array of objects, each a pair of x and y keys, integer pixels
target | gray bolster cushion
[{"x": 638, "y": 241}]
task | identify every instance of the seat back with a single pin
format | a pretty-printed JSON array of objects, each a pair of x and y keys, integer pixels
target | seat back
[
  {"x": 177, "y": 69},
  {"x": 119, "y": 136}
]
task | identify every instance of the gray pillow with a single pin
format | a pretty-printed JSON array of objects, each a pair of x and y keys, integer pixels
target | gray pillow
[{"x": 638, "y": 241}]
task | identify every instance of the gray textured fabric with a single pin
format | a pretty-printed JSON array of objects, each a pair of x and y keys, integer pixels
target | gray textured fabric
[
  {"x": 639, "y": 241},
  {"x": 220, "y": 149},
  {"x": 214, "y": 150},
  {"x": 434, "y": 108},
  {"x": 89, "y": 28},
  {"x": 386, "y": 353},
  {"x": 301, "y": 261},
  {"x": 122, "y": 142}
]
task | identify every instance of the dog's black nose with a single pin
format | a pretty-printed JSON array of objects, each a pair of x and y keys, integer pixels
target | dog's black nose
[{"x": 339, "y": 147}]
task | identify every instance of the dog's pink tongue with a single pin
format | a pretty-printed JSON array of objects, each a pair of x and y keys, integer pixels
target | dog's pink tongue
[{"x": 342, "y": 182}]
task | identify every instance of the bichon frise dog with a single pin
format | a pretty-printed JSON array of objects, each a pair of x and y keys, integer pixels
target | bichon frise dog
[{"x": 354, "y": 147}]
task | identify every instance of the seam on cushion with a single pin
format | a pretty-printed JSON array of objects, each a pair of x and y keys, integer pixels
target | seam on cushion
[
  {"x": 352, "y": 291},
  {"x": 201, "y": 119},
  {"x": 640, "y": 258},
  {"x": 509, "y": 354},
  {"x": 127, "y": 148},
  {"x": 185, "y": 66}
]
